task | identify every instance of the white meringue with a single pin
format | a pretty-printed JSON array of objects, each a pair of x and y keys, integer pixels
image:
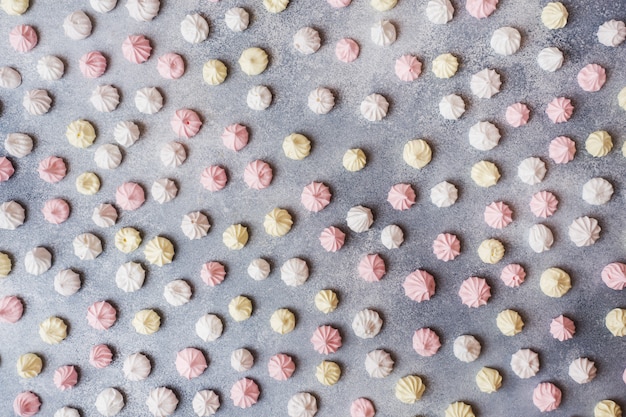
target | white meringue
[
  {"x": 612, "y": 33},
  {"x": 143, "y": 10},
  {"x": 209, "y": 327},
  {"x": 584, "y": 231},
  {"x": 367, "y": 324},
  {"x": 237, "y": 19},
  {"x": 484, "y": 136},
  {"x": 374, "y": 107},
  {"x": 12, "y": 215},
  {"x": 550, "y": 59},
  {"x": 506, "y": 40},
  {"x": 378, "y": 364},
  {"x": 392, "y": 236},
  {"x": 294, "y": 272},
  {"x": 130, "y": 276},
  {"x": 104, "y": 215},
  {"x": 66, "y": 412},
  {"x": 136, "y": 367},
  {"x": 162, "y": 402},
  {"x": 302, "y": 404},
  {"x": 37, "y": 261},
  {"x": 77, "y": 25},
  {"x": 525, "y": 363},
  {"x": 259, "y": 97},
  {"x": 50, "y": 68},
  {"x": 195, "y": 225},
  {"x": 321, "y": 100},
  {"x": 67, "y": 282},
  {"x": 531, "y": 170},
  {"x": 359, "y": 219},
  {"x": 103, "y": 6},
  {"x": 194, "y": 28},
  {"x": 9, "y": 78},
  {"x": 383, "y": 33},
  {"x": 452, "y": 106},
  {"x": 582, "y": 370},
  {"x": 540, "y": 238},
  {"x": 37, "y": 102},
  {"x": 241, "y": 360},
  {"x": 148, "y": 100},
  {"x": 108, "y": 156},
  {"x": 109, "y": 402},
  {"x": 163, "y": 190},
  {"x": 597, "y": 191},
  {"x": 126, "y": 133},
  {"x": 87, "y": 246},
  {"x": 444, "y": 194},
  {"x": 307, "y": 41},
  {"x": 259, "y": 269},
  {"x": 439, "y": 12},
  {"x": 205, "y": 403},
  {"x": 177, "y": 292},
  {"x": 18, "y": 144},
  {"x": 486, "y": 83},
  {"x": 466, "y": 348},
  {"x": 173, "y": 154},
  {"x": 105, "y": 98}
]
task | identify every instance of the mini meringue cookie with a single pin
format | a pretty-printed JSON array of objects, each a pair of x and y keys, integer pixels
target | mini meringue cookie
[
  {"x": 235, "y": 236},
  {"x": 259, "y": 97},
  {"x": 459, "y": 409},
  {"x": 446, "y": 247},
  {"x": 253, "y": 61},
  {"x": 426, "y": 342},
  {"x": 597, "y": 191},
  {"x": 302, "y": 404},
  {"x": 37, "y": 260},
  {"x": 506, "y": 40},
  {"x": 92, "y": 64},
  {"x": 205, "y": 403},
  {"x": 591, "y": 77},
  {"x": 14, "y": 7},
  {"x": 326, "y": 301},
  {"x": 374, "y": 107},
  {"x": 347, "y": 50},
  {"x": 328, "y": 373},
  {"x": 614, "y": 275},
  {"x": 367, "y": 324},
  {"x": 612, "y": 33},
  {"x": 452, "y": 106},
  {"x": 9, "y": 78},
  {"x": 130, "y": 276},
  {"x": 560, "y": 110},
  {"x": 50, "y": 68},
  {"x": 466, "y": 348},
  {"x": 37, "y": 102},
  {"x": 445, "y": 66},
  {"x": 417, "y": 153},
  {"x": 163, "y": 190},
  {"x": 584, "y": 231},
  {"x": 275, "y": 6},
  {"x": 392, "y": 236},
  {"x": 100, "y": 356},
  {"x": 130, "y": 196},
  {"x": 52, "y": 169},
  {"x": 214, "y": 178},
  {"x": 525, "y": 363},
  {"x": 401, "y": 196},
  {"x": 409, "y": 389},
  {"x": 237, "y": 19},
  {"x": 195, "y": 225},
  {"x": 53, "y": 330},
  {"x": 378, "y": 364},
  {"x": 146, "y": 322},
  {"x": 5, "y": 265},
  {"x": 11, "y": 309},
  {"x": 109, "y": 402},
  {"x": 383, "y": 33},
  {"x": 615, "y": 322},
  {"x": 321, "y": 100},
  {"x": 550, "y": 59},
  {"x": 136, "y": 367},
  {"x": 66, "y": 412},
  {"x": 372, "y": 268},
  {"x": 607, "y": 408},
  {"x": 481, "y": 9},
  {"x": 12, "y": 215},
  {"x": 108, "y": 156},
  {"x": 332, "y": 239},
  {"x": 240, "y": 308},
  {"x": 296, "y": 146},
  {"x": 485, "y": 83},
  {"x": 101, "y": 315},
  {"x": 439, "y": 12},
  {"x": 543, "y": 204},
  {"x": 488, "y": 380},
  {"x": 555, "y": 282},
  {"x": 29, "y": 365},
  {"x": 484, "y": 136},
  {"x": 171, "y": 66},
  {"x": 383, "y": 5},
  {"x": 277, "y": 222},
  {"x": 159, "y": 251},
  {"x": 214, "y": 72},
  {"x": 127, "y": 239},
  {"x": 599, "y": 143},
  {"x": 498, "y": 215},
  {"x": 162, "y": 402},
  {"x": 359, "y": 219},
  {"x": 148, "y": 100},
  {"x": 307, "y": 41},
  {"x": 18, "y": 144},
  {"x": 294, "y": 272},
  {"x": 173, "y": 154},
  {"x": 362, "y": 407},
  {"x": 517, "y": 114},
  {"x": 136, "y": 49},
  {"x": 509, "y": 322},
  {"x": 540, "y": 238},
  {"x": 419, "y": 286},
  {"x": 80, "y": 133},
  {"x": 241, "y": 360},
  {"x": 554, "y": 15},
  {"x": 485, "y": 174},
  {"x": 103, "y": 6},
  {"x": 315, "y": 196},
  {"x": 354, "y": 160},
  {"x": 475, "y": 292},
  {"x": 88, "y": 183},
  {"x": 143, "y": 10},
  {"x": 56, "y": 211},
  {"x": 126, "y": 133},
  {"x": 105, "y": 98},
  {"x": 194, "y": 28},
  {"x": 209, "y": 327},
  {"x": 531, "y": 170},
  {"x": 259, "y": 269},
  {"x": 67, "y": 282},
  {"x": 77, "y": 26},
  {"x": 491, "y": 251},
  {"x": 212, "y": 273},
  {"x": 582, "y": 370},
  {"x": 562, "y": 328},
  {"x": 408, "y": 68}
]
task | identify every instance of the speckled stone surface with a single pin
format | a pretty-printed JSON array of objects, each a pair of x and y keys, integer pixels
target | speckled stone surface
[{"x": 413, "y": 114}]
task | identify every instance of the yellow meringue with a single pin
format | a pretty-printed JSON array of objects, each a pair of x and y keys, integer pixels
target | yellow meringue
[
  {"x": 14, "y": 7},
  {"x": 459, "y": 409},
  {"x": 29, "y": 365},
  {"x": 383, "y": 5},
  {"x": 326, "y": 301},
  {"x": 159, "y": 251},
  {"x": 80, "y": 133},
  {"x": 509, "y": 322},
  {"x": 445, "y": 66},
  {"x": 488, "y": 380},
  {"x": 147, "y": 322},
  {"x": 283, "y": 321},
  {"x": 235, "y": 236},
  {"x": 409, "y": 389},
  {"x": 615, "y": 321},
  {"x": 240, "y": 308},
  {"x": 328, "y": 373},
  {"x": 485, "y": 174},
  {"x": 88, "y": 183},
  {"x": 275, "y": 6},
  {"x": 417, "y": 153},
  {"x": 277, "y": 222},
  {"x": 5, "y": 265},
  {"x": 599, "y": 143},
  {"x": 621, "y": 98},
  {"x": 53, "y": 330},
  {"x": 555, "y": 282},
  {"x": 214, "y": 72},
  {"x": 296, "y": 146},
  {"x": 354, "y": 160},
  {"x": 554, "y": 15},
  {"x": 607, "y": 408},
  {"x": 253, "y": 61},
  {"x": 127, "y": 239},
  {"x": 491, "y": 251}
]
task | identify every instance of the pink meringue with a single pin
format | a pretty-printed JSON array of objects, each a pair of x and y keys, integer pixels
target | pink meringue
[
  {"x": 362, "y": 407},
  {"x": 562, "y": 149},
  {"x": 401, "y": 196},
  {"x": 446, "y": 247},
  {"x": 136, "y": 49},
  {"x": 326, "y": 340},
  {"x": 235, "y": 137},
  {"x": 101, "y": 315},
  {"x": 419, "y": 286},
  {"x": 26, "y": 404},
  {"x": 517, "y": 114},
  {"x": 244, "y": 393},
  {"x": 93, "y": 64},
  {"x": 11, "y": 309},
  {"x": 65, "y": 377},
  {"x": 171, "y": 66},
  {"x": 614, "y": 275},
  {"x": 52, "y": 169},
  {"x": 408, "y": 68},
  {"x": 481, "y": 9},
  {"x": 546, "y": 397},
  {"x": 372, "y": 268},
  {"x": 562, "y": 328},
  {"x": 258, "y": 175},
  {"x": 213, "y": 273},
  {"x": 185, "y": 123},
  {"x": 337, "y": 4},
  {"x": 56, "y": 211},
  {"x": 591, "y": 78},
  {"x": 513, "y": 275},
  {"x": 426, "y": 342},
  {"x": 474, "y": 292},
  {"x": 23, "y": 38},
  {"x": 213, "y": 178},
  {"x": 560, "y": 110},
  {"x": 543, "y": 204},
  {"x": 190, "y": 363},
  {"x": 281, "y": 367},
  {"x": 332, "y": 239},
  {"x": 315, "y": 196},
  {"x": 130, "y": 196},
  {"x": 347, "y": 50},
  {"x": 6, "y": 168},
  {"x": 498, "y": 215},
  {"x": 100, "y": 356}
]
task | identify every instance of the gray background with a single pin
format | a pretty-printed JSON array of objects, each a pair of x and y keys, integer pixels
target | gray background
[{"x": 413, "y": 114}]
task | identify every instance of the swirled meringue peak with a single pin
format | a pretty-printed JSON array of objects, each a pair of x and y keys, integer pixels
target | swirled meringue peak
[
  {"x": 347, "y": 50},
  {"x": 543, "y": 204},
  {"x": 50, "y": 68},
  {"x": 326, "y": 340},
  {"x": 513, "y": 275},
  {"x": 103, "y": 6},
  {"x": 481, "y": 9},
  {"x": 11, "y": 309},
  {"x": 244, "y": 393},
  {"x": 136, "y": 49},
  {"x": 439, "y": 12},
  {"x": 77, "y": 25},
  {"x": 194, "y": 28},
  {"x": 56, "y": 211},
  {"x": 562, "y": 149},
  {"x": 26, "y": 404},
  {"x": 143, "y": 10},
  {"x": 506, "y": 41},
  {"x": 592, "y": 77},
  {"x": 517, "y": 114},
  {"x": 498, "y": 215},
  {"x": 205, "y": 403},
  {"x": 237, "y": 19},
  {"x": 408, "y": 68},
  {"x": 612, "y": 33},
  {"x": 23, "y": 38},
  {"x": 100, "y": 356},
  {"x": 332, "y": 239},
  {"x": 190, "y": 363},
  {"x": 426, "y": 342},
  {"x": 485, "y": 83},
  {"x": 281, "y": 367},
  {"x": 474, "y": 292},
  {"x": 562, "y": 328},
  {"x": 9, "y": 78},
  {"x": 92, "y": 64},
  {"x": 171, "y": 66},
  {"x": 383, "y": 33},
  {"x": 546, "y": 396},
  {"x": 446, "y": 247},
  {"x": 419, "y": 286}
]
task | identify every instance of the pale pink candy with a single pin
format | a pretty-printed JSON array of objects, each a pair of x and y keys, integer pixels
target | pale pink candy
[
  {"x": 614, "y": 275},
  {"x": 136, "y": 49},
  {"x": 235, "y": 137},
  {"x": 52, "y": 169},
  {"x": 190, "y": 363},
  {"x": 101, "y": 315},
  {"x": 562, "y": 328},
  {"x": 65, "y": 377},
  {"x": 281, "y": 367},
  {"x": 481, "y": 9},
  {"x": 26, "y": 404},
  {"x": 624, "y": 376},
  {"x": 401, "y": 196},
  {"x": 171, "y": 66},
  {"x": 130, "y": 196},
  {"x": 258, "y": 175},
  {"x": 474, "y": 292},
  {"x": 546, "y": 397},
  {"x": 185, "y": 123},
  {"x": 517, "y": 114},
  {"x": 347, "y": 50},
  {"x": 100, "y": 356},
  {"x": 419, "y": 286},
  {"x": 337, "y": 4},
  {"x": 372, "y": 268},
  {"x": 244, "y": 393},
  {"x": 213, "y": 273},
  {"x": 513, "y": 275},
  {"x": 11, "y": 309},
  {"x": 213, "y": 178},
  {"x": 562, "y": 149},
  {"x": 591, "y": 78},
  {"x": 315, "y": 196},
  {"x": 362, "y": 407},
  {"x": 332, "y": 239},
  {"x": 446, "y": 247},
  {"x": 408, "y": 68},
  {"x": 6, "y": 168},
  {"x": 498, "y": 215},
  {"x": 426, "y": 342},
  {"x": 92, "y": 64},
  {"x": 56, "y": 211},
  {"x": 543, "y": 204},
  {"x": 23, "y": 38},
  {"x": 326, "y": 340},
  {"x": 560, "y": 110}
]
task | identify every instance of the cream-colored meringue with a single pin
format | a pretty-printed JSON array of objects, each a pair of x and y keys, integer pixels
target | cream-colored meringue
[
  {"x": 294, "y": 272},
  {"x": 136, "y": 367},
  {"x": 29, "y": 365},
  {"x": 146, "y": 322},
  {"x": 459, "y": 409},
  {"x": 615, "y": 322},
  {"x": 439, "y": 12},
  {"x": 599, "y": 143},
  {"x": 328, "y": 373},
  {"x": 491, "y": 251},
  {"x": 240, "y": 308},
  {"x": 108, "y": 156},
  {"x": 162, "y": 402},
  {"x": 612, "y": 33},
  {"x": 392, "y": 236},
  {"x": 485, "y": 174},
  {"x": 445, "y": 66},
  {"x": 50, "y": 68},
  {"x": 550, "y": 59},
  {"x": 374, "y": 108},
  {"x": 126, "y": 133},
  {"x": 488, "y": 380},
  {"x": 307, "y": 40},
  {"x": 259, "y": 97},
  {"x": 354, "y": 160},
  {"x": 383, "y": 33},
  {"x": 127, "y": 239},
  {"x": 584, "y": 231},
  {"x": 359, "y": 219},
  {"x": 209, "y": 327},
  {"x": 607, "y": 408},
  {"x": 321, "y": 100},
  {"x": 237, "y": 19},
  {"x": 417, "y": 153},
  {"x": 582, "y": 370},
  {"x": 12, "y": 215},
  {"x": 326, "y": 301},
  {"x": 18, "y": 144},
  {"x": 105, "y": 98},
  {"x": 177, "y": 292},
  {"x": 383, "y": 5},
  {"x": 525, "y": 363},
  {"x": 485, "y": 83},
  {"x": 409, "y": 389},
  {"x": 194, "y": 28},
  {"x": 77, "y": 25},
  {"x": 53, "y": 330},
  {"x": 235, "y": 236},
  {"x": 103, "y": 6},
  {"x": 554, "y": 15},
  {"x": 143, "y": 10},
  {"x": 195, "y": 225},
  {"x": 148, "y": 100},
  {"x": 66, "y": 282},
  {"x": 66, "y": 412},
  {"x": 253, "y": 61},
  {"x": 296, "y": 146},
  {"x": 87, "y": 246},
  {"x": 164, "y": 190},
  {"x": 597, "y": 191},
  {"x": 540, "y": 238},
  {"x": 5, "y": 265},
  {"x": 9, "y": 77},
  {"x": 367, "y": 324},
  {"x": 259, "y": 269},
  {"x": 159, "y": 251},
  {"x": 302, "y": 404},
  {"x": 14, "y": 7},
  {"x": 173, "y": 154},
  {"x": 506, "y": 40},
  {"x": 130, "y": 277},
  {"x": 484, "y": 136},
  {"x": 275, "y": 6},
  {"x": 214, "y": 72},
  {"x": 283, "y": 321},
  {"x": 87, "y": 183},
  {"x": 205, "y": 403},
  {"x": 37, "y": 261},
  {"x": 555, "y": 282},
  {"x": 531, "y": 170},
  {"x": 443, "y": 194},
  {"x": 109, "y": 402},
  {"x": 509, "y": 322},
  {"x": 452, "y": 106},
  {"x": 378, "y": 364}
]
